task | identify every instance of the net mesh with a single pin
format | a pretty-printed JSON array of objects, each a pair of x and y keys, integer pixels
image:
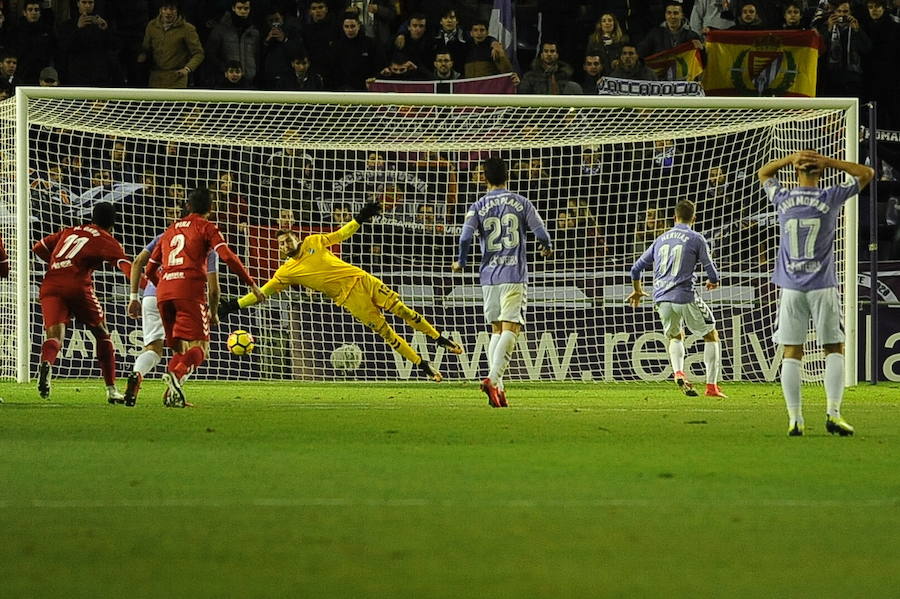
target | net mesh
[{"x": 605, "y": 181}]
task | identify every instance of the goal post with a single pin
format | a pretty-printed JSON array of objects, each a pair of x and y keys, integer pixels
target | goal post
[{"x": 603, "y": 172}]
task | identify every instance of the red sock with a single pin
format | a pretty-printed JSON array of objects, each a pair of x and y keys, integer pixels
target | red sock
[
  {"x": 106, "y": 355},
  {"x": 49, "y": 350},
  {"x": 181, "y": 364}
]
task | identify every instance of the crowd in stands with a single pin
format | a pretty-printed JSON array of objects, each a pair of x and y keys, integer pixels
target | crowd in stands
[{"x": 340, "y": 44}]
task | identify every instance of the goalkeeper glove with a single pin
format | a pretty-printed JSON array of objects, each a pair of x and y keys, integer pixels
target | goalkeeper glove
[
  {"x": 368, "y": 210},
  {"x": 226, "y": 308}
]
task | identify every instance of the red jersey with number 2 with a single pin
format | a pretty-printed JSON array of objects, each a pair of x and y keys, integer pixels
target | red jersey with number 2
[
  {"x": 182, "y": 252},
  {"x": 74, "y": 254}
]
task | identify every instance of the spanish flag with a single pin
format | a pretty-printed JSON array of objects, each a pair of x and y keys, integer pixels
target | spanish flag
[
  {"x": 681, "y": 63},
  {"x": 761, "y": 63}
]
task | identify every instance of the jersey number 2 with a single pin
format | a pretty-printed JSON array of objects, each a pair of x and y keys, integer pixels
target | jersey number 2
[{"x": 175, "y": 247}]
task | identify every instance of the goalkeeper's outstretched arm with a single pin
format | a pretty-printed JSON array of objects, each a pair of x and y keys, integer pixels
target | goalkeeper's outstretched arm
[{"x": 272, "y": 287}]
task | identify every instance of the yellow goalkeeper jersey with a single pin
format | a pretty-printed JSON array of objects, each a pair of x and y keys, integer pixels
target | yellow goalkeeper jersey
[{"x": 316, "y": 267}]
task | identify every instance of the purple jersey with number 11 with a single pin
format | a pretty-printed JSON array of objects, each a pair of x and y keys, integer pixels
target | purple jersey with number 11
[
  {"x": 501, "y": 218},
  {"x": 674, "y": 256},
  {"x": 807, "y": 217}
]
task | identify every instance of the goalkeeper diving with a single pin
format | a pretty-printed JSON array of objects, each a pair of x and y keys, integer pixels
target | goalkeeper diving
[{"x": 311, "y": 264}]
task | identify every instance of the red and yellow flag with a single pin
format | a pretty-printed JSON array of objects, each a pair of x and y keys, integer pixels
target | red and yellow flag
[
  {"x": 681, "y": 63},
  {"x": 761, "y": 63}
]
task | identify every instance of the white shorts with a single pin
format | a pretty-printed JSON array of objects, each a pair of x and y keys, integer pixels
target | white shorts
[
  {"x": 696, "y": 316},
  {"x": 505, "y": 302},
  {"x": 151, "y": 321},
  {"x": 796, "y": 308}
]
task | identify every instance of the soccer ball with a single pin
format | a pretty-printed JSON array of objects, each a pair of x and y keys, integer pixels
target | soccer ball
[
  {"x": 240, "y": 343},
  {"x": 346, "y": 357}
]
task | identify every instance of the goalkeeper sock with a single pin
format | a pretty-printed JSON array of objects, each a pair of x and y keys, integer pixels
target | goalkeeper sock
[
  {"x": 676, "y": 354},
  {"x": 834, "y": 383},
  {"x": 790, "y": 386},
  {"x": 49, "y": 350},
  {"x": 397, "y": 343},
  {"x": 502, "y": 356},
  {"x": 106, "y": 355},
  {"x": 146, "y": 362},
  {"x": 413, "y": 319},
  {"x": 712, "y": 357}
]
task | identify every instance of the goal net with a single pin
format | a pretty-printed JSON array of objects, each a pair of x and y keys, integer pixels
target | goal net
[{"x": 605, "y": 175}]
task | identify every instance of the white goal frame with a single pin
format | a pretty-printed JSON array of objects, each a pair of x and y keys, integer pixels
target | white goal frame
[{"x": 849, "y": 106}]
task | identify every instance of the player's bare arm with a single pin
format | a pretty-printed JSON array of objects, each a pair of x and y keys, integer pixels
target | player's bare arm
[
  {"x": 137, "y": 267},
  {"x": 864, "y": 173}
]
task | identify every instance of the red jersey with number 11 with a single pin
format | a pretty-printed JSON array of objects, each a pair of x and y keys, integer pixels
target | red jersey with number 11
[
  {"x": 182, "y": 254},
  {"x": 74, "y": 253}
]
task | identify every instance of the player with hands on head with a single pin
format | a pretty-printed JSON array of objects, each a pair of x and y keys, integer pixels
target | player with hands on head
[
  {"x": 501, "y": 218},
  {"x": 182, "y": 253},
  {"x": 674, "y": 257},
  {"x": 804, "y": 269},
  {"x": 311, "y": 264},
  {"x": 67, "y": 290}
]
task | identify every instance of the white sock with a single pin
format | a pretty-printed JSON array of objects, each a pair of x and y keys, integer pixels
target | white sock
[
  {"x": 676, "y": 354},
  {"x": 502, "y": 356},
  {"x": 834, "y": 383},
  {"x": 790, "y": 386},
  {"x": 712, "y": 360},
  {"x": 146, "y": 362},
  {"x": 492, "y": 349}
]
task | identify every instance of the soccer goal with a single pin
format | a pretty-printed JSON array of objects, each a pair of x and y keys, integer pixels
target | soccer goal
[{"x": 604, "y": 173}]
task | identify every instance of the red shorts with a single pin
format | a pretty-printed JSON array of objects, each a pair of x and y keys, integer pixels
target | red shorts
[
  {"x": 184, "y": 319},
  {"x": 59, "y": 308}
]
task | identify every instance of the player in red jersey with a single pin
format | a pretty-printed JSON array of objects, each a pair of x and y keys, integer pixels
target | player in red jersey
[
  {"x": 67, "y": 290},
  {"x": 181, "y": 289}
]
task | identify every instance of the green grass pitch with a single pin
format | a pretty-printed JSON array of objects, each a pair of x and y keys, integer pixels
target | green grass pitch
[{"x": 418, "y": 490}]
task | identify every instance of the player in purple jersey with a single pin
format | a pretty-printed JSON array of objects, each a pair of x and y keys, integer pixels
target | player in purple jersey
[
  {"x": 674, "y": 256},
  {"x": 501, "y": 217},
  {"x": 145, "y": 308},
  {"x": 807, "y": 217}
]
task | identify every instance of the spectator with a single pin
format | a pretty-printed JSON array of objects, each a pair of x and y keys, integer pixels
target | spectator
[
  {"x": 631, "y": 67},
  {"x": 672, "y": 33},
  {"x": 486, "y": 56},
  {"x": 443, "y": 66},
  {"x": 452, "y": 38},
  {"x": 792, "y": 16},
  {"x": 606, "y": 41},
  {"x": 235, "y": 37},
  {"x": 356, "y": 57},
  {"x": 129, "y": 20},
  {"x": 749, "y": 19},
  {"x": 9, "y": 61},
  {"x": 233, "y": 77},
  {"x": 708, "y": 15},
  {"x": 320, "y": 34},
  {"x": 6, "y": 90},
  {"x": 401, "y": 68},
  {"x": 49, "y": 77},
  {"x": 301, "y": 79},
  {"x": 34, "y": 41},
  {"x": 376, "y": 19},
  {"x": 593, "y": 73},
  {"x": 87, "y": 44},
  {"x": 845, "y": 46},
  {"x": 884, "y": 33},
  {"x": 172, "y": 46},
  {"x": 282, "y": 41},
  {"x": 416, "y": 45},
  {"x": 548, "y": 74}
]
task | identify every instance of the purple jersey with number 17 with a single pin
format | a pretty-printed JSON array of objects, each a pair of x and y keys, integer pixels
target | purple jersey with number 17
[
  {"x": 501, "y": 218},
  {"x": 674, "y": 256},
  {"x": 807, "y": 217}
]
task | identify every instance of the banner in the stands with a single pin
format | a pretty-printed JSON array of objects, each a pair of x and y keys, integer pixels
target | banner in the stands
[{"x": 610, "y": 86}]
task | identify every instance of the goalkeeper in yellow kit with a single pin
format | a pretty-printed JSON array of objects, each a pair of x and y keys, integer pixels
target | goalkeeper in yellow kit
[{"x": 311, "y": 264}]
